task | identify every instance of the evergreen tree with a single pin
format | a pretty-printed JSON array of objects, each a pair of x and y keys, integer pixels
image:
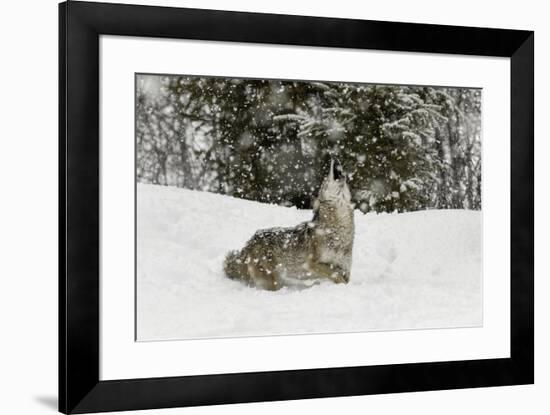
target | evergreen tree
[{"x": 405, "y": 148}]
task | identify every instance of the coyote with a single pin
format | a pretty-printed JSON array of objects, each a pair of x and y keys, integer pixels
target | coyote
[{"x": 306, "y": 254}]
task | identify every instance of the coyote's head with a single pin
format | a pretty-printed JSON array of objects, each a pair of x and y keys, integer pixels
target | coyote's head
[{"x": 334, "y": 188}]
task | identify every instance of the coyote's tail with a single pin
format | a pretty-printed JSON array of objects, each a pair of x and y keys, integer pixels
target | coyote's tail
[{"x": 234, "y": 266}]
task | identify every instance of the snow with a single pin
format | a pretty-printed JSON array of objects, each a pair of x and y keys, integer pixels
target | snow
[{"x": 416, "y": 270}]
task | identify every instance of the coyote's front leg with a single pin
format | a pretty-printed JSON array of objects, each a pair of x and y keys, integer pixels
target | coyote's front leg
[
  {"x": 333, "y": 272},
  {"x": 264, "y": 275}
]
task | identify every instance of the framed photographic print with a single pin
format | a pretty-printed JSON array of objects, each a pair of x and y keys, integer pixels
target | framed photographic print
[{"x": 260, "y": 207}]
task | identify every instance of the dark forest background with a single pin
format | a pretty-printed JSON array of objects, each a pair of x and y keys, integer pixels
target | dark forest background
[{"x": 404, "y": 148}]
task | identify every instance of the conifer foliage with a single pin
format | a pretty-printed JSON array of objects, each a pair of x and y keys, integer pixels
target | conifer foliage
[{"x": 404, "y": 148}]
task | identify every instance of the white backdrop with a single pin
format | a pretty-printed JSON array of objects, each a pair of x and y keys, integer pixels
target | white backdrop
[{"x": 28, "y": 223}]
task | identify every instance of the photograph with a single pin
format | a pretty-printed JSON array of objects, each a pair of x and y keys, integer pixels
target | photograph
[{"x": 283, "y": 207}]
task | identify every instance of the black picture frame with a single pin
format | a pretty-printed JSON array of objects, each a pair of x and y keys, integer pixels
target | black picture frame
[{"x": 80, "y": 26}]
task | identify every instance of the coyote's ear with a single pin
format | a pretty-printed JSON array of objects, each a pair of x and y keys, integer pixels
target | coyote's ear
[{"x": 315, "y": 204}]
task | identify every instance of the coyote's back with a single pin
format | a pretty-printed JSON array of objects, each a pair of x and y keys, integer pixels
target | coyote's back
[{"x": 309, "y": 252}]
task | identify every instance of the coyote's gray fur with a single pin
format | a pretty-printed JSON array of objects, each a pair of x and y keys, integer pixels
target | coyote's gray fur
[{"x": 305, "y": 254}]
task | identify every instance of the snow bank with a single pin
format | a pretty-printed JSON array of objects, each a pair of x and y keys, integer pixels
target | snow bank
[{"x": 410, "y": 271}]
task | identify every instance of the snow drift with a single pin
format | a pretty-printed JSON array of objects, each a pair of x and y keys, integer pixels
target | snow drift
[{"x": 410, "y": 271}]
